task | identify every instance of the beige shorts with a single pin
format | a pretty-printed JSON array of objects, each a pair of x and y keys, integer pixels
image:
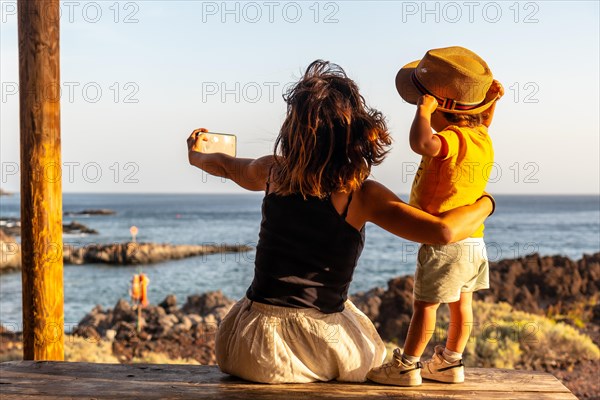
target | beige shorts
[
  {"x": 272, "y": 344},
  {"x": 445, "y": 271}
]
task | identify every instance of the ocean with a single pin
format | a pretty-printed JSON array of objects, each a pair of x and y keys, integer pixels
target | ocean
[{"x": 522, "y": 225}]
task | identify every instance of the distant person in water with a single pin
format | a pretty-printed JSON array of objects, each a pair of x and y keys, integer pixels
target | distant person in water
[
  {"x": 295, "y": 323},
  {"x": 455, "y": 95}
]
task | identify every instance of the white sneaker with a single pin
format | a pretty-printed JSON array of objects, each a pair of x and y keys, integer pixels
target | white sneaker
[
  {"x": 396, "y": 372},
  {"x": 438, "y": 369}
]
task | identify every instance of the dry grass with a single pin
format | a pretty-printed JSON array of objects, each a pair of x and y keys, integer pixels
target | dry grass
[
  {"x": 509, "y": 338},
  {"x": 505, "y": 338},
  {"x": 79, "y": 349}
]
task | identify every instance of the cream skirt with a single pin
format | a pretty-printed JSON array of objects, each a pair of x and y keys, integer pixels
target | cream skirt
[{"x": 273, "y": 344}]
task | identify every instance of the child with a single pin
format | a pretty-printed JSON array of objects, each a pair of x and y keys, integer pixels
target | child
[{"x": 455, "y": 95}]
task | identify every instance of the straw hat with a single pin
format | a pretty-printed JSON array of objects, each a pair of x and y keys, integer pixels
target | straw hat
[{"x": 458, "y": 78}]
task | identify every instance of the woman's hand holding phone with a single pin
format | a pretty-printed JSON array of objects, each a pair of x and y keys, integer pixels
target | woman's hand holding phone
[
  {"x": 215, "y": 153},
  {"x": 194, "y": 141},
  {"x": 203, "y": 141}
]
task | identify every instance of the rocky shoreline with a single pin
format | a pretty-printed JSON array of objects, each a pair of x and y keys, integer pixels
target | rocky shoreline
[
  {"x": 11, "y": 253},
  {"x": 181, "y": 332},
  {"x": 94, "y": 211},
  {"x": 127, "y": 253},
  {"x": 12, "y": 227},
  {"x": 133, "y": 253}
]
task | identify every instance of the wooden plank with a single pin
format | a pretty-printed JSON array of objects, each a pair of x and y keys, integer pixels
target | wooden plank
[
  {"x": 60, "y": 380},
  {"x": 41, "y": 197}
]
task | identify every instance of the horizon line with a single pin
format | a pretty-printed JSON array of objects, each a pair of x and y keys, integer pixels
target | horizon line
[{"x": 9, "y": 194}]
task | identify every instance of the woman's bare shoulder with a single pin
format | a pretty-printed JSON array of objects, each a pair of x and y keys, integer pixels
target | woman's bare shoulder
[
  {"x": 371, "y": 189},
  {"x": 263, "y": 165},
  {"x": 265, "y": 161}
]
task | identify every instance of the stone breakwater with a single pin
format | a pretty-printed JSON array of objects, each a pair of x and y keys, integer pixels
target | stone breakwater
[
  {"x": 12, "y": 227},
  {"x": 131, "y": 253},
  {"x": 10, "y": 253},
  {"x": 102, "y": 211},
  {"x": 128, "y": 253}
]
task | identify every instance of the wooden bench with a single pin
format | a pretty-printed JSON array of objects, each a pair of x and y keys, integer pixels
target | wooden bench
[{"x": 62, "y": 380}]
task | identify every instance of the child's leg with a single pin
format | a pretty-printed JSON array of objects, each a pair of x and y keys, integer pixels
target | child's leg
[
  {"x": 422, "y": 326},
  {"x": 404, "y": 369},
  {"x": 461, "y": 323},
  {"x": 446, "y": 364}
]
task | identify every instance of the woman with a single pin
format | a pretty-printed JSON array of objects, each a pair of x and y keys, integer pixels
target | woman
[{"x": 295, "y": 323}]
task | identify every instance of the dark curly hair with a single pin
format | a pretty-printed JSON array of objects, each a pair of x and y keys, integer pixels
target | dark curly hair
[{"x": 330, "y": 138}]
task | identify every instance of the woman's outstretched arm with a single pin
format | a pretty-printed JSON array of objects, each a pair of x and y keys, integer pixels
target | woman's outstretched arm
[
  {"x": 249, "y": 173},
  {"x": 382, "y": 207}
]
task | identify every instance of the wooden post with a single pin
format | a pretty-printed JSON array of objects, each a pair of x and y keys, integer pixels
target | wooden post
[{"x": 41, "y": 197}]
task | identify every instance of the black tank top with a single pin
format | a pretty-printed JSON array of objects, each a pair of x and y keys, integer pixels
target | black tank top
[{"x": 306, "y": 254}]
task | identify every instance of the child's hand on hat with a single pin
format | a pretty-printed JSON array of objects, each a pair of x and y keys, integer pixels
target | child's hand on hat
[
  {"x": 496, "y": 90},
  {"x": 427, "y": 103}
]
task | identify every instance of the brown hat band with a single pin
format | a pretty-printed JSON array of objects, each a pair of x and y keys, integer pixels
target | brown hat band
[{"x": 446, "y": 103}]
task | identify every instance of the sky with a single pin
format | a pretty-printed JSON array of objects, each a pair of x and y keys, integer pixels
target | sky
[{"x": 138, "y": 76}]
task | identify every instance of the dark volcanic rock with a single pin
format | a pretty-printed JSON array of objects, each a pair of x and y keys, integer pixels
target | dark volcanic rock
[
  {"x": 169, "y": 304},
  {"x": 596, "y": 313},
  {"x": 369, "y": 302},
  {"x": 211, "y": 303},
  {"x": 128, "y": 253},
  {"x": 12, "y": 227},
  {"x": 397, "y": 300},
  {"x": 91, "y": 212},
  {"x": 123, "y": 311},
  {"x": 391, "y": 309},
  {"x": 188, "y": 332},
  {"x": 534, "y": 283},
  {"x": 10, "y": 251},
  {"x": 76, "y": 227}
]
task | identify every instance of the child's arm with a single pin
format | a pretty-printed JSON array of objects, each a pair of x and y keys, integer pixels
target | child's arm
[
  {"x": 249, "y": 173},
  {"x": 496, "y": 90},
  {"x": 422, "y": 139}
]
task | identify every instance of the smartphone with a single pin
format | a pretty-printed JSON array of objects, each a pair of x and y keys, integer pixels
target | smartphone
[{"x": 219, "y": 143}]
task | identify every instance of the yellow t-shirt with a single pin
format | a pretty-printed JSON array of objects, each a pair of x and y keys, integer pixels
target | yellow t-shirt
[{"x": 458, "y": 175}]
